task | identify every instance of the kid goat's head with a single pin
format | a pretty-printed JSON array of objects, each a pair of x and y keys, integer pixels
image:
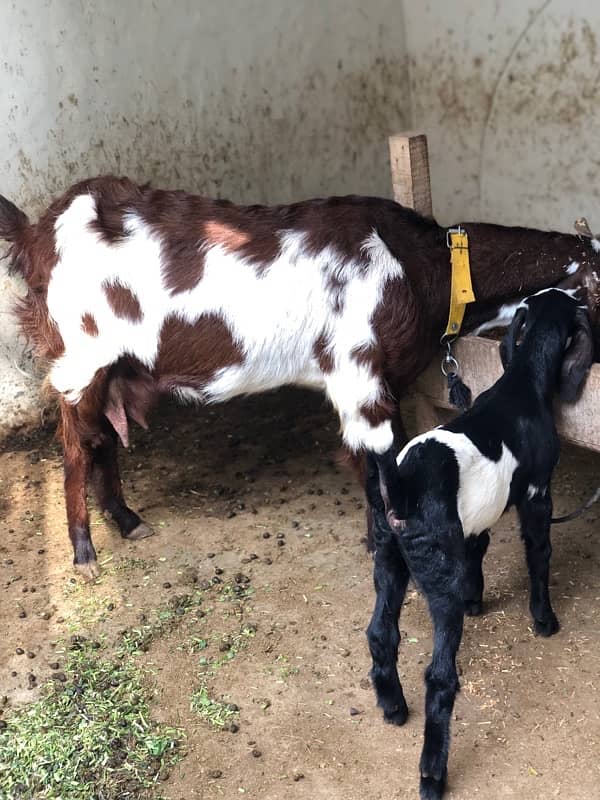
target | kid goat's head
[{"x": 553, "y": 329}]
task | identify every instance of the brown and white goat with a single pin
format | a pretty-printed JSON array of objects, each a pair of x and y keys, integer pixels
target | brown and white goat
[{"x": 134, "y": 292}]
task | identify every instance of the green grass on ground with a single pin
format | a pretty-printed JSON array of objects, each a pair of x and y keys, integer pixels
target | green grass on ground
[{"x": 89, "y": 738}]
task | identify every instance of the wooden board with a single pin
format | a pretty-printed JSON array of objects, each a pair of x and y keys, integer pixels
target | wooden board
[
  {"x": 480, "y": 367},
  {"x": 409, "y": 162}
]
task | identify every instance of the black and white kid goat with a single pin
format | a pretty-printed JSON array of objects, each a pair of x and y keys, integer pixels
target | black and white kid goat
[{"x": 454, "y": 483}]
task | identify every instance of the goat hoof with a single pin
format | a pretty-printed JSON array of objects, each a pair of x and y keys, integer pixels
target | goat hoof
[
  {"x": 141, "y": 532},
  {"x": 474, "y": 608},
  {"x": 397, "y": 715},
  {"x": 546, "y": 628},
  {"x": 431, "y": 788},
  {"x": 88, "y": 571}
]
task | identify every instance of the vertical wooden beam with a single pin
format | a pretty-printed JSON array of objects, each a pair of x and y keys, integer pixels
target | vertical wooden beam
[{"x": 410, "y": 171}]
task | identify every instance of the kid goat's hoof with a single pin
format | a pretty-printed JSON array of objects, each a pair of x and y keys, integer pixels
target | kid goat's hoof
[
  {"x": 88, "y": 571},
  {"x": 397, "y": 715},
  {"x": 431, "y": 788},
  {"x": 141, "y": 532},
  {"x": 474, "y": 608},
  {"x": 547, "y": 627}
]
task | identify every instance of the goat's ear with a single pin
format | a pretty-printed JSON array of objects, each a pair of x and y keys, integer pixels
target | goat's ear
[
  {"x": 12, "y": 220},
  {"x": 578, "y": 358},
  {"x": 508, "y": 345}
]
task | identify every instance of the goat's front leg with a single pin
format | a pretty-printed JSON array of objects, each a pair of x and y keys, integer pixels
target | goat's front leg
[
  {"x": 436, "y": 562},
  {"x": 77, "y": 459},
  {"x": 108, "y": 490},
  {"x": 535, "y": 514},
  {"x": 369, "y": 420},
  {"x": 391, "y": 578}
]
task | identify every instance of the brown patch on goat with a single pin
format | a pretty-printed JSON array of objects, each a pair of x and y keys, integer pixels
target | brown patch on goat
[
  {"x": 341, "y": 223},
  {"x": 406, "y": 341},
  {"x": 123, "y": 301},
  {"x": 335, "y": 285},
  {"x": 376, "y": 413},
  {"x": 117, "y": 198},
  {"x": 177, "y": 219},
  {"x": 88, "y": 324},
  {"x": 368, "y": 355},
  {"x": 190, "y": 354},
  {"x": 323, "y": 354}
]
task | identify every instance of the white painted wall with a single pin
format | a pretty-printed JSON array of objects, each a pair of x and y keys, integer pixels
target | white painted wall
[
  {"x": 508, "y": 92},
  {"x": 257, "y": 100}
]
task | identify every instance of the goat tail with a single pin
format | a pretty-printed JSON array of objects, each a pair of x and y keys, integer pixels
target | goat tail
[{"x": 13, "y": 221}]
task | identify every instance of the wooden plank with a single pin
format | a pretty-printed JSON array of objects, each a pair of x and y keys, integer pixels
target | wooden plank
[
  {"x": 410, "y": 171},
  {"x": 480, "y": 366},
  {"x": 428, "y": 414}
]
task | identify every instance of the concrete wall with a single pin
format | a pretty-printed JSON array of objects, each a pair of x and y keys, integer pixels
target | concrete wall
[
  {"x": 509, "y": 95},
  {"x": 268, "y": 100}
]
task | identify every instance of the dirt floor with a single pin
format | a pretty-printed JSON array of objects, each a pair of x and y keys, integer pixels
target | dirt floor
[{"x": 250, "y": 495}]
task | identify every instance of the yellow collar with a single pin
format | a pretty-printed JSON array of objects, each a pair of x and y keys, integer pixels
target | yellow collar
[{"x": 461, "y": 290}]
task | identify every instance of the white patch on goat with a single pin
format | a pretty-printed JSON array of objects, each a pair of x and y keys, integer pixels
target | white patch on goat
[
  {"x": 380, "y": 256},
  {"x": 572, "y": 268},
  {"x": 358, "y": 433},
  {"x": 185, "y": 394},
  {"x": 596, "y": 244},
  {"x": 275, "y": 316},
  {"x": 484, "y": 485},
  {"x": 503, "y": 318}
]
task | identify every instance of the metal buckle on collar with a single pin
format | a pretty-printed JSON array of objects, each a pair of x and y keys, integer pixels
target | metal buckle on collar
[{"x": 450, "y": 231}]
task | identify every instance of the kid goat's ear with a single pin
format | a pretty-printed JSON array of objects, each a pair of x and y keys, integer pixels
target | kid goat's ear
[
  {"x": 508, "y": 345},
  {"x": 578, "y": 358}
]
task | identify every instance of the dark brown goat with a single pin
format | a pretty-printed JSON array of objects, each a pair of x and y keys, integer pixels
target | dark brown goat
[{"x": 134, "y": 292}]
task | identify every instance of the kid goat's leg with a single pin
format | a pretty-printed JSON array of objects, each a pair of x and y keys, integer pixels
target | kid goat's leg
[
  {"x": 391, "y": 578},
  {"x": 77, "y": 459},
  {"x": 436, "y": 562},
  {"x": 475, "y": 549},
  {"x": 106, "y": 483},
  {"x": 535, "y": 514}
]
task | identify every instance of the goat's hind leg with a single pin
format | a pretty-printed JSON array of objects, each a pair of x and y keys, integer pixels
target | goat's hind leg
[
  {"x": 436, "y": 562},
  {"x": 106, "y": 483},
  {"x": 391, "y": 578},
  {"x": 535, "y": 514},
  {"x": 475, "y": 549}
]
